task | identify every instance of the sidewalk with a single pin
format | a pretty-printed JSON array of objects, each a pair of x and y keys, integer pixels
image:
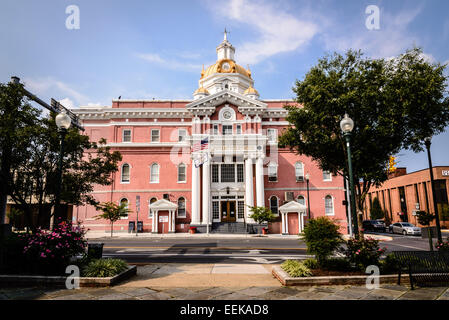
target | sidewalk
[{"x": 220, "y": 282}]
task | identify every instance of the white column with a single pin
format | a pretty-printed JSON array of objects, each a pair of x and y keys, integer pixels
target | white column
[
  {"x": 260, "y": 193},
  {"x": 282, "y": 223},
  {"x": 302, "y": 221},
  {"x": 286, "y": 222},
  {"x": 195, "y": 194},
  {"x": 249, "y": 192},
  {"x": 171, "y": 220},
  {"x": 155, "y": 220},
  {"x": 206, "y": 192}
]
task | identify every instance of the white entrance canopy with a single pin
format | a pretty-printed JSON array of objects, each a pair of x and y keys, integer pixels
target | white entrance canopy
[
  {"x": 163, "y": 205},
  {"x": 292, "y": 207}
]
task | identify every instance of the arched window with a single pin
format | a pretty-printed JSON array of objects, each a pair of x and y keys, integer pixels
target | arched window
[
  {"x": 299, "y": 171},
  {"x": 302, "y": 200},
  {"x": 181, "y": 208},
  {"x": 126, "y": 203},
  {"x": 274, "y": 204},
  {"x": 154, "y": 173},
  {"x": 182, "y": 172},
  {"x": 126, "y": 169},
  {"x": 329, "y": 205},
  {"x": 151, "y": 201}
]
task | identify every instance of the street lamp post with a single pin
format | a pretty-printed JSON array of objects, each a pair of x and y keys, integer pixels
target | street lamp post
[
  {"x": 308, "y": 196},
  {"x": 63, "y": 122},
  {"x": 347, "y": 125},
  {"x": 428, "y": 142}
]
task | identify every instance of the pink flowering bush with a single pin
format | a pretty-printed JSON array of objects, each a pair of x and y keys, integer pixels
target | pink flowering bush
[
  {"x": 363, "y": 252},
  {"x": 52, "y": 250},
  {"x": 442, "y": 246}
]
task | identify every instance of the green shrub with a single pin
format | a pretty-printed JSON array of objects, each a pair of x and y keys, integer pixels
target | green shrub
[
  {"x": 336, "y": 264},
  {"x": 105, "y": 268},
  {"x": 322, "y": 237},
  {"x": 311, "y": 263},
  {"x": 389, "y": 265},
  {"x": 363, "y": 252},
  {"x": 296, "y": 269}
]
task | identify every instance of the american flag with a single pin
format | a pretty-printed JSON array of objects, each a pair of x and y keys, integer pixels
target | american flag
[{"x": 201, "y": 145}]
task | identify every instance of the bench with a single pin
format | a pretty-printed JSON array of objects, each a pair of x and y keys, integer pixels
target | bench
[{"x": 424, "y": 267}]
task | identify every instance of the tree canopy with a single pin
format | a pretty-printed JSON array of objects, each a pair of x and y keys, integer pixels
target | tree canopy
[
  {"x": 395, "y": 103},
  {"x": 30, "y": 176}
]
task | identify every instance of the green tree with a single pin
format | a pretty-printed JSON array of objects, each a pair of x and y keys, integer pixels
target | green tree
[
  {"x": 17, "y": 122},
  {"x": 376, "y": 211},
  {"x": 394, "y": 103},
  {"x": 322, "y": 238},
  {"x": 112, "y": 212},
  {"x": 30, "y": 178},
  {"x": 261, "y": 214}
]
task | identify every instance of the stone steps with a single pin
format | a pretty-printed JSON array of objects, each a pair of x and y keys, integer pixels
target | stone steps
[{"x": 229, "y": 227}]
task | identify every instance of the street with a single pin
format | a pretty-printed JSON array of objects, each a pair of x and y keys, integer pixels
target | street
[{"x": 258, "y": 250}]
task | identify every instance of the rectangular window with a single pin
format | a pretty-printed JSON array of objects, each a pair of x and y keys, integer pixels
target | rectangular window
[
  {"x": 126, "y": 135},
  {"x": 327, "y": 176},
  {"x": 215, "y": 173},
  {"x": 272, "y": 173},
  {"x": 240, "y": 209},
  {"x": 215, "y": 132},
  {"x": 240, "y": 177},
  {"x": 215, "y": 210},
  {"x": 272, "y": 135},
  {"x": 154, "y": 135},
  {"x": 181, "y": 173},
  {"x": 238, "y": 129},
  {"x": 227, "y": 130},
  {"x": 227, "y": 173},
  {"x": 182, "y": 133}
]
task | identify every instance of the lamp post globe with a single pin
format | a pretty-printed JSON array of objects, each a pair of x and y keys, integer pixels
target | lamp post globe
[
  {"x": 347, "y": 125},
  {"x": 63, "y": 121}
]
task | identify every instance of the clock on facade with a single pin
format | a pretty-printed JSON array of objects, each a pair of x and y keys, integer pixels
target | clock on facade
[
  {"x": 226, "y": 66},
  {"x": 227, "y": 115}
]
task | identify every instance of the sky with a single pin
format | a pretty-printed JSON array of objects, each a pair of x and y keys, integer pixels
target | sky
[{"x": 145, "y": 49}]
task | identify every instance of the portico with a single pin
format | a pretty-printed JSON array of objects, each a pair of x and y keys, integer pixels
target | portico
[
  {"x": 158, "y": 220},
  {"x": 292, "y": 207}
]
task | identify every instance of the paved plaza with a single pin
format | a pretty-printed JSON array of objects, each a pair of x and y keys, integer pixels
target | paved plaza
[{"x": 219, "y": 282}]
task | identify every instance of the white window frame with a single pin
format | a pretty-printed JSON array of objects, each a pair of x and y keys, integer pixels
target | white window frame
[
  {"x": 215, "y": 129},
  {"x": 275, "y": 166},
  {"x": 129, "y": 174},
  {"x": 150, "y": 214},
  {"x": 158, "y": 135},
  {"x": 277, "y": 201},
  {"x": 272, "y": 136},
  {"x": 302, "y": 170},
  {"x": 130, "y": 135},
  {"x": 151, "y": 172},
  {"x": 185, "y": 173},
  {"x": 238, "y": 129},
  {"x": 223, "y": 126},
  {"x": 184, "y": 136},
  {"x": 333, "y": 207},
  {"x": 301, "y": 196},
  {"x": 185, "y": 211},
  {"x": 127, "y": 207},
  {"x": 330, "y": 175}
]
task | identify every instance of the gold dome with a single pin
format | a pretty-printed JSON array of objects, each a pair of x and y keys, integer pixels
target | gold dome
[
  {"x": 251, "y": 90},
  {"x": 201, "y": 90},
  {"x": 225, "y": 66}
]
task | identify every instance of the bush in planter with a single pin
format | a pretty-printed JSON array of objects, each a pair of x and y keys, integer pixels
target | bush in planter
[
  {"x": 322, "y": 238},
  {"x": 49, "y": 252},
  {"x": 296, "y": 269},
  {"x": 389, "y": 265},
  {"x": 104, "y": 268},
  {"x": 311, "y": 263},
  {"x": 336, "y": 264},
  {"x": 363, "y": 252},
  {"x": 12, "y": 259},
  {"x": 442, "y": 246}
]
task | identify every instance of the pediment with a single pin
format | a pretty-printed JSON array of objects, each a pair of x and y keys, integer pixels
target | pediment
[
  {"x": 207, "y": 105},
  {"x": 163, "y": 204},
  {"x": 293, "y": 206}
]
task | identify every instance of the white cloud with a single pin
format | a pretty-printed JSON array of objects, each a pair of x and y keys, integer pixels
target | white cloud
[
  {"x": 54, "y": 88},
  {"x": 278, "y": 31},
  {"x": 392, "y": 38},
  {"x": 169, "y": 63},
  {"x": 66, "y": 102}
]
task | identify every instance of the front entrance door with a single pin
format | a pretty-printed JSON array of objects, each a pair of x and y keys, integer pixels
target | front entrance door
[{"x": 228, "y": 211}]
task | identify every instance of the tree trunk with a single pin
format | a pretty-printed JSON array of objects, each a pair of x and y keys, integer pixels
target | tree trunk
[
  {"x": 429, "y": 233},
  {"x": 112, "y": 227}
]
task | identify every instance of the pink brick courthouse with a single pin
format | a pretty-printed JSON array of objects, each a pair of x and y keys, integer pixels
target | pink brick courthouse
[{"x": 201, "y": 163}]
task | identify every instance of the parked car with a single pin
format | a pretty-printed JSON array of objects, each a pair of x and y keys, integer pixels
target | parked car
[
  {"x": 374, "y": 225},
  {"x": 404, "y": 228}
]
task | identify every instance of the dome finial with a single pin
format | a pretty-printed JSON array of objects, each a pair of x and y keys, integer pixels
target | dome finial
[{"x": 225, "y": 35}]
